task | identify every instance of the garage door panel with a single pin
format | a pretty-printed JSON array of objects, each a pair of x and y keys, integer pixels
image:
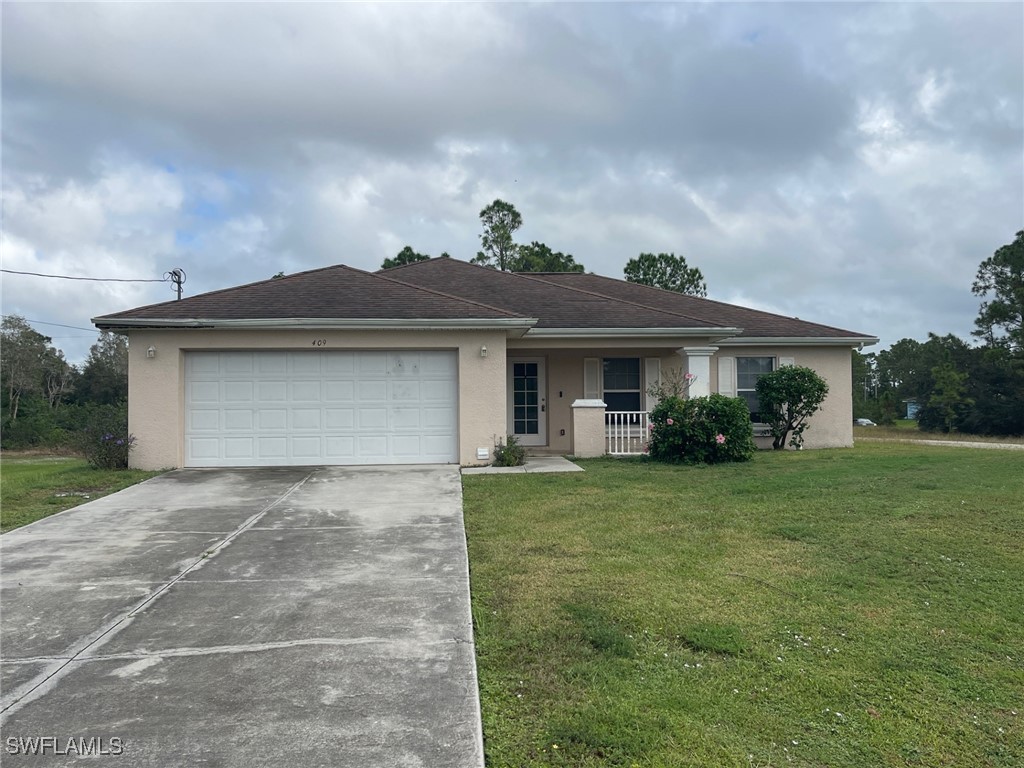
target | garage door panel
[
  {"x": 339, "y": 362},
  {"x": 270, "y": 391},
  {"x": 238, "y": 391},
  {"x": 339, "y": 418},
  {"x": 236, "y": 362},
  {"x": 306, "y": 418},
  {"x": 307, "y": 447},
  {"x": 238, "y": 419},
  {"x": 372, "y": 418},
  {"x": 273, "y": 449},
  {"x": 272, "y": 362},
  {"x": 204, "y": 392},
  {"x": 306, "y": 364},
  {"x": 239, "y": 447},
  {"x": 314, "y": 407},
  {"x": 204, "y": 420},
  {"x": 204, "y": 448},
  {"x": 405, "y": 419},
  {"x": 340, "y": 391},
  {"x": 306, "y": 391},
  {"x": 272, "y": 419}
]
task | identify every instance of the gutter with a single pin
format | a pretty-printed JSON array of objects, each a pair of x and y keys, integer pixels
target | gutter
[
  {"x": 588, "y": 333},
  {"x": 384, "y": 324},
  {"x": 799, "y": 341}
]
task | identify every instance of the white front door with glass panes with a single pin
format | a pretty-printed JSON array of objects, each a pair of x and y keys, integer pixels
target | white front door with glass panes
[
  {"x": 527, "y": 401},
  {"x": 748, "y": 371}
]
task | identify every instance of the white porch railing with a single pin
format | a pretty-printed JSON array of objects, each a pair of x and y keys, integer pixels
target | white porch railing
[{"x": 626, "y": 432}]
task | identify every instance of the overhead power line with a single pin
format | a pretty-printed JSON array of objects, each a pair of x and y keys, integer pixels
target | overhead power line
[
  {"x": 61, "y": 325},
  {"x": 91, "y": 279}
]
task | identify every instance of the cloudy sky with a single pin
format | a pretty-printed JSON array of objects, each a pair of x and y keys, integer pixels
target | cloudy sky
[{"x": 844, "y": 163}]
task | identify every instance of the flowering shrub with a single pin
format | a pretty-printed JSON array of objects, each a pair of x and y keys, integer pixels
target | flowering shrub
[
  {"x": 701, "y": 430},
  {"x": 108, "y": 451}
]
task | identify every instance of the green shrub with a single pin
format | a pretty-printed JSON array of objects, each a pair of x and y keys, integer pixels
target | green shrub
[
  {"x": 701, "y": 430},
  {"x": 101, "y": 435},
  {"x": 510, "y": 453},
  {"x": 787, "y": 397}
]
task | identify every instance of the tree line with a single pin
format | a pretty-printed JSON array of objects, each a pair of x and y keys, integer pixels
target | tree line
[
  {"x": 950, "y": 383},
  {"x": 44, "y": 400},
  {"x": 499, "y": 250}
]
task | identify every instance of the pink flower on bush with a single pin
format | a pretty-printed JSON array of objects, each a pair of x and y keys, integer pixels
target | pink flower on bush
[
  {"x": 669, "y": 422},
  {"x": 650, "y": 426},
  {"x": 691, "y": 376},
  {"x": 719, "y": 438}
]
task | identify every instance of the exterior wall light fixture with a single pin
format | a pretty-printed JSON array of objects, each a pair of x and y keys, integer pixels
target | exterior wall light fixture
[
  {"x": 483, "y": 351},
  {"x": 151, "y": 352}
]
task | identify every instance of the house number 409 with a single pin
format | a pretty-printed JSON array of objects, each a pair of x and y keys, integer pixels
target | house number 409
[{"x": 319, "y": 342}]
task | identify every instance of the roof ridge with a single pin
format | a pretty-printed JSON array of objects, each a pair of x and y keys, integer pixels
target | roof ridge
[
  {"x": 649, "y": 308},
  {"x": 442, "y": 293}
]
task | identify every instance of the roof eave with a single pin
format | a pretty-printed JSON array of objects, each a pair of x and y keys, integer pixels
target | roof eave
[
  {"x": 522, "y": 324},
  {"x": 804, "y": 341},
  {"x": 590, "y": 333}
]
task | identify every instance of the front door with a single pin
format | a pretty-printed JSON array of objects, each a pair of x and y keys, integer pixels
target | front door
[{"x": 527, "y": 401}]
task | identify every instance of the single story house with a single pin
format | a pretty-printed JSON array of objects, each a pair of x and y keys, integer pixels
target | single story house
[{"x": 436, "y": 361}]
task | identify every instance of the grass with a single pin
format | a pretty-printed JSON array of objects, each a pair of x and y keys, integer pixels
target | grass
[
  {"x": 858, "y": 607},
  {"x": 34, "y": 487}
]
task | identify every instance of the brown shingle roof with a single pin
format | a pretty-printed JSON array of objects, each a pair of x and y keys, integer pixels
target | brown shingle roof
[
  {"x": 337, "y": 292},
  {"x": 754, "y": 322},
  {"x": 555, "y": 305}
]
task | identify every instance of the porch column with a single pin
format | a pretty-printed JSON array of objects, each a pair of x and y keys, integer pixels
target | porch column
[
  {"x": 588, "y": 430},
  {"x": 697, "y": 361}
]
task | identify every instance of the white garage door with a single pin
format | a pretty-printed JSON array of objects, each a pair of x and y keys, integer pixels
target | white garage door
[{"x": 303, "y": 408}]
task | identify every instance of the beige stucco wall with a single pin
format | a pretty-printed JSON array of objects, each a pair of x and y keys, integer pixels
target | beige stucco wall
[
  {"x": 156, "y": 395},
  {"x": 831, "y": 427}
]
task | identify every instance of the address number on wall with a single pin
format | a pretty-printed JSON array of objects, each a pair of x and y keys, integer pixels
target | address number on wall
[{"x": 319, "y": 342}]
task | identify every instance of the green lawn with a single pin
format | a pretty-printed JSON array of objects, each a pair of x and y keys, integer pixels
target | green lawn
[
  {"x": 860, "y": 607},
  {"x": 906, "y": 429},
  {"x": 33, "y": 487}
]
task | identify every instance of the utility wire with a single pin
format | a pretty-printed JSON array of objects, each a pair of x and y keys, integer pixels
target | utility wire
[
  {"x": 92, "y": 279},
  {"x": 60, "y": 325}
]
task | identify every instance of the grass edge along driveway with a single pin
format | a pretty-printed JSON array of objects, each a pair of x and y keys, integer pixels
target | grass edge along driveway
[
  {"x": 845, "y": 608},
  {"x": 33, "y": 487}
]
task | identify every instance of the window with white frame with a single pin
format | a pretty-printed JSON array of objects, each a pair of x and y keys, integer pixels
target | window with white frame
[
  {"x": 748, "y": 371},
  {"x": 622, "y": 387}
]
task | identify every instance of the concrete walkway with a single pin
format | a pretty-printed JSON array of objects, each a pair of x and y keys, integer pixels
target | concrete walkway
[
  {"x": 245, "y": 618},
  {"x": 534, "y": 464}
]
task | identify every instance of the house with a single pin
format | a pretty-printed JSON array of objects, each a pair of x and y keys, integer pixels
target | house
[{"x": 436, "y": 361}]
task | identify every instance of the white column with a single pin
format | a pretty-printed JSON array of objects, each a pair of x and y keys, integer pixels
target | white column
[{"x": 697, "y": 362}]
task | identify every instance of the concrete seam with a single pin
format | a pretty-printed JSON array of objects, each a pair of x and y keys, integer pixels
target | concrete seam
[{"x": 42, "y": 682}]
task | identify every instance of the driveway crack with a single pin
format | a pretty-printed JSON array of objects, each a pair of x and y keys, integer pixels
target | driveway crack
[{"x": 82, "y": 650}]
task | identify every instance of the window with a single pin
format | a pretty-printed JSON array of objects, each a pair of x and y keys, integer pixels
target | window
[
  {"x": 748, "y": 371},
  {"x": 622, "y": 391}
]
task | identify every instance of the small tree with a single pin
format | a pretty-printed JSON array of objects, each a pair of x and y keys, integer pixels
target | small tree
[
  {"x": 500, "y": 220},
  {"x": 668, "y": 271},
  {"x": 405, "y": 256},
  {"x": 538, "y": 257},
  {"x": 788, "y": 397}
]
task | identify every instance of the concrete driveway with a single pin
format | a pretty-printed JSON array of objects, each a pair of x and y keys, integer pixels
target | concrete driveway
[{"x": 260, "y": 617}]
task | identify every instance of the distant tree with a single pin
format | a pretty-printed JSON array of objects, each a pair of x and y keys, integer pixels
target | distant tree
[
  {"x": 668, "y": 271},
  {"x": 500, "y": 220},
  {"x": 104, "y": 377},
  {"x": 58, "y": 377},
  {"x": 948, "y": 397},
  {"x": 22, "y": 353},
  {"x": 1001, "y": 319},
  {"x": 537, "y": 257},
  {"x": 405, "y": 256},
  {"x": 787, "y": 397}
]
